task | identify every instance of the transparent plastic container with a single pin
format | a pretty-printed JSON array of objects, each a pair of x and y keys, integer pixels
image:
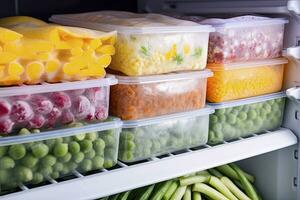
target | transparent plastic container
[
  {"x": 142, "y": 139},
  {"x": 53, "y": 105},
  {"x": 34, "y": 158},
  {"x": 242, "y": 118},
  {"x": 245, "y": 38},
  {"x": 148, "y": 43},
  {"x": 149, "y": 96},
  {"x": 292, "y": 69},
  {"x": 246, "y": 79}
]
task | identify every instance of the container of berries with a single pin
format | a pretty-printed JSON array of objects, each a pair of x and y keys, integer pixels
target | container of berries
[{"x": 53, "y": 105}]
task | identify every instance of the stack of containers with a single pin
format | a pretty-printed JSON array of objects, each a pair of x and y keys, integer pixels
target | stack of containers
[
  {"x": 48, "y": 130},
  {"x": 245, "y": 55},
  {"x": 160, "y": 66}
]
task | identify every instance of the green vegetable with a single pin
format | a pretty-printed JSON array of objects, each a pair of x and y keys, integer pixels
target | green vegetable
[
  {"x": 209, "y": 191},
  {"x": 192, "y": 180},
  {"x": 114, "y": 197},
  {"x": 146, "y": 194},
  {"x": 197, "y": 196},
  {"x": 48, "y": 160},
  {"x": 97, "y": 162},
  {"x": 124, "y": 195},
  {"x": 66, "y": 158},
  {"x": 60, "y": 149},
  {"x": 23, "y": 174},
  {"x": 86, "y": 165},
  {"x": 234, "y": 189},
  {"x": 39, "y": 150},
  {"x": 6, "y": 163},
  {"x": 78, "y": 157},
  {"x": 17, "y": 151},
  {"x": 170, "y": 191},
  {"x": 215, "y": 172},
  {"x": 3, "y": 151},
  {"x": 5, "y": 176},
  {"x": 216, "y": 183},
  {"x": 188, "y": 194},
  {"x": 24, "y": 131},
  {"x": 37, "y": 178},
  {"x": 178, "y": 194},
  {"x": 91, "y": 154},
  {"x": 86, "y": 146},
  {"x": 29, "y": 161},
  {"x": 159, "y": 193},
  {"x": 74, "y": 147},
  {"x": 228, "y": 171}
]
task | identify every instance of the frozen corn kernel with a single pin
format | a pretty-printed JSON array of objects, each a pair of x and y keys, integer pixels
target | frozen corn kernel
[
  {"x": 52, "y": 66},
  {"x": 106, "y": 49},
  {"x": 15, "y": 69}
]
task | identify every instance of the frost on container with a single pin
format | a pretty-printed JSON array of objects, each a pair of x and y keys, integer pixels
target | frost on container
[
  {"x": 148, "y": 43},
  {"x": 242, "y": 118},
  {"x": 150, "y": 96},
  {"x": 29, "y": 159},
  {"x": 53, "y": 105},
  {"x": 142, "y": 139},
  {"x": 247, "y": 79},
  {"x": 33, "y": 52},
  {"x": 245, "y": 38}
]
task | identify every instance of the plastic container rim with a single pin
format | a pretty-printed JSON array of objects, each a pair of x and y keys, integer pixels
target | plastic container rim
[
  {"x": 246, "y": 101},
  {"x": 61, "y": 132},
  {"x": 162, "y": 78},
  {"x": 55, "y": 87},
  {"x": 155, "y": 120}
]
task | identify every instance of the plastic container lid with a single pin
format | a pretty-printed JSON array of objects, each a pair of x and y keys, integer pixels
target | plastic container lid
[
  {"x": 54, "y": 87},
  {"x": 293, "y": 51},
  {"x": 246, "y": 101},
  {"x": 162, "y": 78},
  {"x": 248, "y": 64},
  {"x": 59, "y": 133},
  {"x": 155, "y": 120},
  {"x": 243, "y": 21},
  {"x": 130, "y": 23}
]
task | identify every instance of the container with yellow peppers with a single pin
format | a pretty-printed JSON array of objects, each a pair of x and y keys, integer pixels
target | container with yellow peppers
[
  {"x": 32, "y": 52},
  {"x": 245, "y": 79},
  {"x": 148, "y": 44}
]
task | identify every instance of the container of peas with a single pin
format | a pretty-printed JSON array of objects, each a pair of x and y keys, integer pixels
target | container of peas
[
  {"x": 241, "y": 118},
  {"x": 33, "y": 158},
  {"x": 149, "y": 137}
]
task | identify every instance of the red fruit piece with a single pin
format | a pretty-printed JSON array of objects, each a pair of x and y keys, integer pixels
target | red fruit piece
[
  {"x": 91, "y": 115},
  {"x": 6, "y": 125},
  {"x": 101, "y": 113},
  {"x": 53, "y": 116},
  {"x": 67, "y": 117},
  {"x": 21, "y": 111},
  {"x": 76, "y": 92},
  {"x": 37, "y": 121},
  {"x": 95, "y": 95},
  {"x": 81, "y": 107},
  {"x": 5, "y": 107},
  {"x": 21, "y": 97},
  {"x": 61, "y": 100},
  {"x": 41, "y": 104}
]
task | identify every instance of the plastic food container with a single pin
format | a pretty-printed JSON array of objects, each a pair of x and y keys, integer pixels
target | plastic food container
[
  {"x": 245, "y": 38},
  {"x": 292, "y": 69},
  {"x": 34, "y": 158},
  {"x": 242, "y": 118},
  {"x": 150, "y": 96},
  {"x": 246, "y": 79},
  {"x": 142, "y": 139},
  {"x": 53, "y": 105},
  {"x": 33, "y": 52},
  {"x": 148, "y": 43}
]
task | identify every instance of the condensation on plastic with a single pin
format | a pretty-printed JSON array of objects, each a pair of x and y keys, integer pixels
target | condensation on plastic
[
  {"x": 53, "y": 105},
  {"x": 150, "y": 96},
  {"x": 148, "y": 43},
  {"x": 245, "y": 38},
  {"x": 35, "y": 158},
  {"x": 142, "y": 139},
  {"x": 292, "y": 69},
  {"x": 242, "y": 118},
  {"x": 247, "y": 79}
]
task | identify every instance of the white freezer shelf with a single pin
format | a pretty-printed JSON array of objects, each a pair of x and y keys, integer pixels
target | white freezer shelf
[{"x": 157, "y": 169}]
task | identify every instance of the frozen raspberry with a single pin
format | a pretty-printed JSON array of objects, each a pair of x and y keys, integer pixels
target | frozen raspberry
[
  {"x": 76, "y": 92},
  {"x": 41, "y": 104},
  {"x": 5, "y": 107},
  {"x": 101, "y": 113},
  {"x": 37, "y": 121},
  {"x": 67, "y": 117},
  {"x": 21, "y": 111},
  {"x": 53, "y": 116},
  {"x": 81, "y": 107},
  {"x": 21, "y": 97},
  {"x": 6, "y": 125},
  {"x": 95, "y": 95},
  {"x": 61, "y": 100},
  {"x": 91, "y": 115}
]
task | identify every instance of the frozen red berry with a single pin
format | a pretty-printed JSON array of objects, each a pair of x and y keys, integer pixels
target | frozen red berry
[
  {"x": 41, "y": 104},
  {"x": 67, "y": 117},
  {"x": 21, "y": 111},
  {"x": 37, "y": 121},
  {"x": 6, "y": 125},
  {"x": 21, "y": 97},
  {"x": 61, "y": 100},
  {"x": 53, "y": 116},
  {"x": 95, "y": 94},
  {"x": 81, "y": 107},
  {"x": 76, "y": 92},
  {"x": 101, "y": 113},
  {"x": 5, "y": 107},
  {"x": 91, "y": 115}
]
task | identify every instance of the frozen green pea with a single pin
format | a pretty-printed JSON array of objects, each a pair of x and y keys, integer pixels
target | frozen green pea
[
  {"x": 24, "y": 131},
  {"x": 78, "y": 157},
  {"x": 111, "y": 153},
  {"x": 65, "y": 158},
  {"x": 235, "y": 111},
  {"x": 86, "y": 146},
  {"x": 48, "y": 160},
  {"x": 108, "y": 163},
  {"x": 271, "y": 102},
  {"x": 5, "y": 176},
  {"x": 216, "y": 127},
  {"x": 220, "y": 111},
  {"x": 222, "y": 118},
  {"x": 242, "y": 116},
  {"x": 74, "y": 147},
  {"x": 213, "y": 119},
  {"x": 46, "y": 171},
  {"x": 79, "y": 137},
  {"x": 129, "y": 145},
  {"x": 39, "y": 150},
  {"x": 90, "y": 154},
  {"x": 228, "y": 110},
  {"x": 249, "y": 125},
  {"x": 127, "y": 155},
  {"x": 6, "y": 163},
  {"x": 67, "y": 139},
  {"x": 252, "y": 114},
  {"x": 267, "y": 108},
  {"x": 92, "y": 136},
  {"x": 37, "y": 178},
  {"x": 54, "y": 175},
  {"x": 127, "y": 135},
  {"x": 99, "y": 145},
  {"x": 109, "y": 140},
  {"x": 29, "y": 161},
  {"x": 50, "y": 143},
  {"x": 86, "y": 165},
  {"x": 3, "y": 151},
  {"x": 231, "y": 118},
  {"x": 258, "y": 122},
  {"x": 58, "y": 167},
  {"x": 65, "y": 170},
  {"x": 17, "y": 151},
  {"x": 60, "y": 149},
  {"x": 35, "y": 131},
  {"x": 97, "y": 162},
  {"x": 23, "y": 174},
  {"x": 72, "y": 166}
]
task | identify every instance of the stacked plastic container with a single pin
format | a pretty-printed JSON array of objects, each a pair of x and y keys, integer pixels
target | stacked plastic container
[
  {"x": 50, "y": 127},
  {"x": 245, "y": 55},
  {"x": 160, "y": 65}
]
